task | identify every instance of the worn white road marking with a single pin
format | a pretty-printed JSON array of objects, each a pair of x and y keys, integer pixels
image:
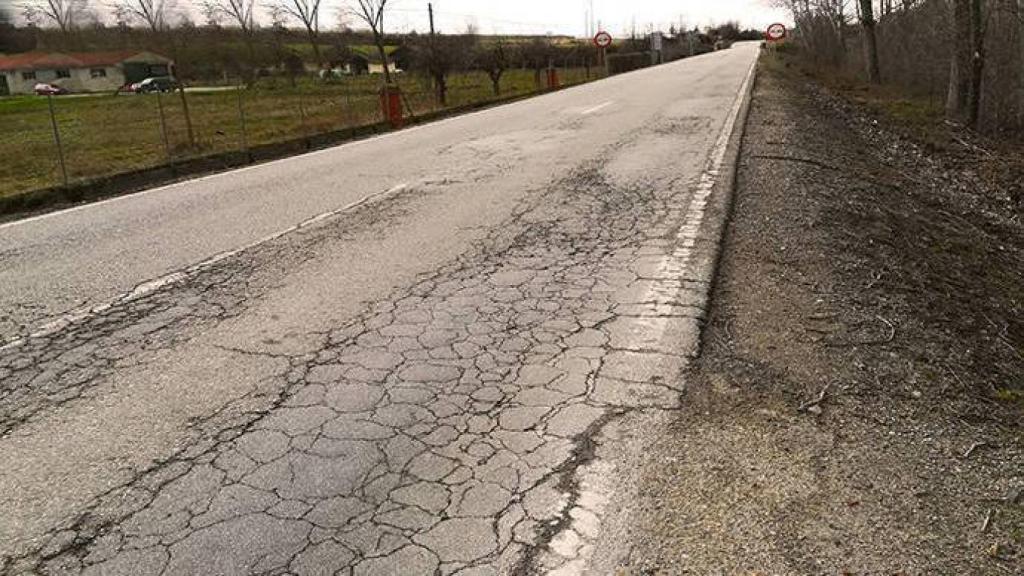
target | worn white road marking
[
  {"x": 597, "y": 108},
  {"x": 152, "y": 286},
  {"x": 575, "y": 544},
  {"x": 677, "y": 262}
]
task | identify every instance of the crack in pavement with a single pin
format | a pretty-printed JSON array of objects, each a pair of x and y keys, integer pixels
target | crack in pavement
[
  {"x": 450, "y": 429},
  {"x": 45, "y": 371}
]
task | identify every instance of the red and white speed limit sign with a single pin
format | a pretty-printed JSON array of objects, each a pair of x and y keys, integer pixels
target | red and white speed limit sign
[
  {"x": 776, "y": 32},
  {"x": 603, "y": 40}
]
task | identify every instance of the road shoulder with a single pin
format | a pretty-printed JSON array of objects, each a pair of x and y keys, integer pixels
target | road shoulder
[{"x": 856, "y": 408}]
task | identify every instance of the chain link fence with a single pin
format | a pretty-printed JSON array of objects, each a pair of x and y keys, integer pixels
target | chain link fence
[{"x": 54, "y": 142}]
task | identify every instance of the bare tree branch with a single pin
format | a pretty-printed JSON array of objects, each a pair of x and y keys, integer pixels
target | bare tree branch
[
  {"x": 371, "y": 13},
  {"x": 64, "y": 14},
  {"x": 308, "y": 13},
  {"x": 153, "y": 13},
  {"x": 240, "y": 13}
]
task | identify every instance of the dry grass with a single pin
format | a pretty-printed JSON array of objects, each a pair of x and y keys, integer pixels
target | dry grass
[{"x": 105, "y": 134}]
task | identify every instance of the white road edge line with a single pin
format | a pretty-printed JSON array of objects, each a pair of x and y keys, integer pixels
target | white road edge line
[
  {"x": 151, "y": 286},
  {"x": 595, "y": 475},
  {"x": 681, "y": 258},
  {"x": 597, "y": 108},
  {"x": 327, "y": 150}
]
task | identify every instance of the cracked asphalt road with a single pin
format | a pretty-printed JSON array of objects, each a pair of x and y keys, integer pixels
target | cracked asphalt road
[{"x": 450, "y": 377}]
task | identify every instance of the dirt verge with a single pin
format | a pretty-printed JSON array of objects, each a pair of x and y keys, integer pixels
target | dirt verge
[{"x": 858, "y": 405}]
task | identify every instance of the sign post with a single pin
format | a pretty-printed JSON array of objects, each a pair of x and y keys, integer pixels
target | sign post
[
  {"x": 774, "y": 35},
  {"x": 602, "y": 40}
]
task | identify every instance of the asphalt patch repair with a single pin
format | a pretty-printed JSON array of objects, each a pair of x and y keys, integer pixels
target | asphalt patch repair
[{"x": 857, "y": 408}]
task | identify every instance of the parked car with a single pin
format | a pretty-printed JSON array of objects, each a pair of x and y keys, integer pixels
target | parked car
[
  {"x": 44, "y": 89},
  {"x": 160, "y": 84}
]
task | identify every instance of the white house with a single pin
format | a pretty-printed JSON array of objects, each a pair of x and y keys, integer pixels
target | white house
[{"x": 79, "y": 72}]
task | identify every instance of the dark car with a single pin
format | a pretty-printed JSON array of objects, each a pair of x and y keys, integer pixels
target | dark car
[{"x": 161, "y": 84}]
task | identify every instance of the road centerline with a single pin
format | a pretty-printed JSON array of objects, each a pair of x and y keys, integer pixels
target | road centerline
[{"x": 597, "y": 108}]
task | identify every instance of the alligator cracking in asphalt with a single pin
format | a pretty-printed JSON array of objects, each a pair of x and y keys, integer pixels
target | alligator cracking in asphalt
[
  {"x": 450, "y": 429},
  {"x": 584, "y": 452}
]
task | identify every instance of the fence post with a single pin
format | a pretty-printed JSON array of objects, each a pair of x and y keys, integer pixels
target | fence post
[
  {"x": 56, "y": 139},
  {"x": 188, "y": 116},
  {"x": 241, "y": 121},
  {"x": 163, "y": 128},
  {"x": 349, "y": 112},
  {"x": 302, "y": 122},
  {"x": 408, "y": 107}
]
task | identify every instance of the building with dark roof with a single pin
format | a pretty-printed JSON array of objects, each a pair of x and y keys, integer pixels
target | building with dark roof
[{"x": 80, "y": 71}]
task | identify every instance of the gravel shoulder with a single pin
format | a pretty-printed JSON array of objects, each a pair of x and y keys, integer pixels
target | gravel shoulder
[{"x": 857, "y": 406}]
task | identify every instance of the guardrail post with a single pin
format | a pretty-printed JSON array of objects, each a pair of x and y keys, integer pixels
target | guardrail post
[{"x": 56, "y": 139}]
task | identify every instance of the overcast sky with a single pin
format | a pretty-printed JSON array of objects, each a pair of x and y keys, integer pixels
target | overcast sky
[
  {"x": 532, "y": 16},
  {"x": 568, "y": 16}
]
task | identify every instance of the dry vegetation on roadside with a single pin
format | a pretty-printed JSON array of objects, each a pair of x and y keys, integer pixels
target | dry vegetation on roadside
[{"x": 859, "y": 404}]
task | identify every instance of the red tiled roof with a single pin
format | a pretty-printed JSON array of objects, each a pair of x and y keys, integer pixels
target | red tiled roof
[{"x": 37, "y": 60}]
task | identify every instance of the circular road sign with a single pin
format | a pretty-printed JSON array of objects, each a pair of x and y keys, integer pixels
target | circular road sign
[
  {"x": 603, "y": 40},
  {"x": 776, "y": 32}
]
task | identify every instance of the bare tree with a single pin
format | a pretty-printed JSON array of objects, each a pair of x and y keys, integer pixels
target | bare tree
[
  {"x": 493, "y": 60},
  {"x": 371, "y": 13},
  {"x": 307, "y": 12},
  {"x": 960, "y": 63},
  {"x": 536, "y": 55},
  {"x": 967, "y": 66},
  {"x": 821, "y": 27},
  {"x": 240, "y": 13},
  {"x": 970, "y": 52},
  {"x": 64, "y": 14},
  {"x": 439, "y": 55},
  {"x": 212, "y": 15},
  {"x": 154, "y": 13},
  {"x": 867, "y": 21},
  {"x": 977, "y": 39}
]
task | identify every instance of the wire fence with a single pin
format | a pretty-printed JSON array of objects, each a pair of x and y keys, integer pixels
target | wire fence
[{"x": 63, "y": 141}]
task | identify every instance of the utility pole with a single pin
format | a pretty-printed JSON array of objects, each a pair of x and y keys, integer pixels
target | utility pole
[
  {"x": 430, "y": 10},
  {"x": 437, "y": 80}
]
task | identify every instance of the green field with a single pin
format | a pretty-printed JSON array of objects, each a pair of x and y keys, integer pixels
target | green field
[{"x": 106, "y": 134}]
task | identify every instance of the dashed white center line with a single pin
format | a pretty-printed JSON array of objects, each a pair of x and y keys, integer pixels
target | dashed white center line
[
  {"x": 151, "y": 286},
  {"x": 597, "y": 108}
]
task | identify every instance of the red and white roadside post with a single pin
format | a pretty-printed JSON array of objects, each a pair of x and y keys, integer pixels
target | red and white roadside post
[
  {"x": 552, "y": 76},
  {"x": 602, "y": 40},
  {"x": 391, "y": 105}
]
